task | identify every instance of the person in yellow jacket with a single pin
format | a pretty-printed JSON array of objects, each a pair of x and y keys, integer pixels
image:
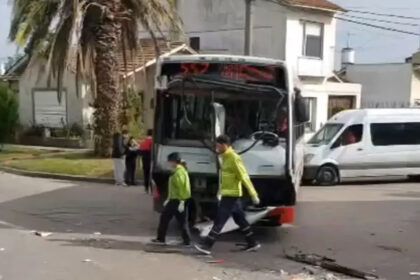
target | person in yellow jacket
[
  {"x": 234, "y": 176},
  {"x": 179, "y": 191}
]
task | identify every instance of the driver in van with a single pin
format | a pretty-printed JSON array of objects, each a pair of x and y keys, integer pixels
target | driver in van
[{"x": 349, "y": 138}]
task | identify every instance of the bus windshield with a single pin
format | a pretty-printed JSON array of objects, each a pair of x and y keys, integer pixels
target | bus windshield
[
  {"x": 188, "y": 113},
  {"x": 326, "y": 134}
]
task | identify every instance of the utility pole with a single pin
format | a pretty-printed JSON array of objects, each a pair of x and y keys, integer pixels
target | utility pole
[{"x": 248, "y": 27}]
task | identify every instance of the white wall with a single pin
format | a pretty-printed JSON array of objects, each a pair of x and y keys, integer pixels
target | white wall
[
  {"x": 304, "y": 66},
  {"x": 415, "y": 87},
  {"x": 35, "y": 77},
  {"x": 383, "y": 85},
  {"x": 323, "y": 92},
  {"x": 278, "y": 31},
  {"x": 145, "y": 81},
  {"x": 220, "y": 25}
]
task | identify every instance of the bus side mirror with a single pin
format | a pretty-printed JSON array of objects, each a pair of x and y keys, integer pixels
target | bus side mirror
[{"x": 302, "y": 109}]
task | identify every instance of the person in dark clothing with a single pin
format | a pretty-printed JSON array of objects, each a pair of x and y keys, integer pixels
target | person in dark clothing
[
  {"x": 146, "y": 157},
  {"x": 179, "y": 192},
  {"x": 118, "y": 157},
  {"x": 131, "y": 162}
]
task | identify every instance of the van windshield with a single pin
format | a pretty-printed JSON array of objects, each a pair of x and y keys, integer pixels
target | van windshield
[{"x": 326, "y": 134}]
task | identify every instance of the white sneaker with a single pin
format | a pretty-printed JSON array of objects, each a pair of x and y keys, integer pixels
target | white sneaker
[
  {"x": 202, "y": 249},
  {"x": 252, "y": 248}
]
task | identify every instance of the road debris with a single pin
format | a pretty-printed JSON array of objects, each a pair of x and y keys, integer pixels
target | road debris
[
  {"x": 216, "y": 278},
  {"x": 390, "y": 248},
  {"x": 2, "y": 249},
  {"x": 87, "y": 260},
  {"x": 414, "y": 273},
  {"x": 310, "y": 270},
  {"x": 42, "y": 233},
  {"x": 215, "y": 261},
  {"x": 97, "y": 233},
  {"x": 330, "y": 264}
]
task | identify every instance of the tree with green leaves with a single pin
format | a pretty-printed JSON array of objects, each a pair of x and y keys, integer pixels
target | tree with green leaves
[
  {"x": 89, "y": 35},
  {"x": 8, "y": 113}
]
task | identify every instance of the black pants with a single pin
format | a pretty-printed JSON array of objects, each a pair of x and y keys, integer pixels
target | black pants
[
  {"x": 130, "y": 170},
  {"x": 230, "y": 206},
  {"x": 145, "y": 159},
  {"x": 171, "y": 210}
]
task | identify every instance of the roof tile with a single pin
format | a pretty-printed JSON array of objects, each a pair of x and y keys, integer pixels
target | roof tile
[{"x": 317, "y": 4}]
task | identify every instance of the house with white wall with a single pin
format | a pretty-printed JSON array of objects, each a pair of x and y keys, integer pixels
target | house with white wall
[
  {"x": 388, "y": 85},
  {"x": 301, "y": 32},
  {"x": 38, "y": 102}
]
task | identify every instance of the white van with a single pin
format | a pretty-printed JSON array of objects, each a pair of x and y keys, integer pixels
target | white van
[{"x": 365, "y": 143}]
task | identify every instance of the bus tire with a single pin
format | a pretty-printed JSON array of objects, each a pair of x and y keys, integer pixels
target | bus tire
[{"x": 327, "y": 175}]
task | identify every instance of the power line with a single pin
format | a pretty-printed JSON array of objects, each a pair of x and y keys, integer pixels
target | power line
[
  {"x": 373, "y": 25},
  {"x": 383, "y": 15},
  {"x": 378, "y": 26},
  {"x": 382, "y": 20}
]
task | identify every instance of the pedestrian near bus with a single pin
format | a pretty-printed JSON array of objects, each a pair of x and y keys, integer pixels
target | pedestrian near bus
[
  {"x": 118, "y": 157},
  {"x": 234, "y": 176},
  {"x": 131, "y": 161},
  {"x": 146, "y": 157},
  {"x": 179, "y": 192}
]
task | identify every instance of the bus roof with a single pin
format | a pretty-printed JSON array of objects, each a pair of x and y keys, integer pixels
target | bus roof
[{"x": 223, "y": 58}]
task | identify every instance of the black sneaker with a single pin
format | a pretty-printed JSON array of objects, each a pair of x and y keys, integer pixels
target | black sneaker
[
  {"x": 158, "y": 242},
  {"x": 251, "y": 247},
  {"x": 203, "y": 249}
]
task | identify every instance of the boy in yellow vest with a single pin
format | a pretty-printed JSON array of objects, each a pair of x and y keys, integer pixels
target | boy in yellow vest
[
  {"x": 234, "y": 175},
  {"x": 179, "y": 191}
]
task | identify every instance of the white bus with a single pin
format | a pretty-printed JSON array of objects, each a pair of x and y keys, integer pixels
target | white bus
[
  {"x": 365, "y": 143},
  {"x": 252, "y": 100}
]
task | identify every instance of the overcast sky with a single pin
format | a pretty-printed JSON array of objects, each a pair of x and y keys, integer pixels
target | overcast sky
[{"x": 372, "y": 45}]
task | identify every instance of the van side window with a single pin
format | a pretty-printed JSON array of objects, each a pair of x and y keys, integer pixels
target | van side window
[
  {"x": 351, "y": 135},
  {"x": 387, "y": 134}
]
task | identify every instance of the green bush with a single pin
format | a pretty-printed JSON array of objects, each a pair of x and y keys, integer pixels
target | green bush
[
  {"x": 8, "y": 113},
  {"x": 134, "y": 113}
]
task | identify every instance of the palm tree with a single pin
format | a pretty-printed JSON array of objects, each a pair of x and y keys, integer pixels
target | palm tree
[{"x": 89, "y": 34}]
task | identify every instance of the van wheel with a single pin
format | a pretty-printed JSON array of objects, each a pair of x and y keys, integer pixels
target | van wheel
[{"x": 327, "y": 175}]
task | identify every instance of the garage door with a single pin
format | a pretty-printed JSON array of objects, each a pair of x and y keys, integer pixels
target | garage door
[
  {"x": 47, "y": 110},
  {"x": 337, "y": 104}
]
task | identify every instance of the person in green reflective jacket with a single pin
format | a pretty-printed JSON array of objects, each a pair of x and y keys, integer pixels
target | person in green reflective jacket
[
  {"x": 234, "y": 176},
  {"x": 179, "y": 191}
]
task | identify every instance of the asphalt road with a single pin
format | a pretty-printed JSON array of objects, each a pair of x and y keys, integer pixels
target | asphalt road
[{"x": 371, "y": 227}]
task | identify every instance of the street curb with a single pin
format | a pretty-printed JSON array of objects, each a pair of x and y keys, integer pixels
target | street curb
[{"x": 55, "y": 176}]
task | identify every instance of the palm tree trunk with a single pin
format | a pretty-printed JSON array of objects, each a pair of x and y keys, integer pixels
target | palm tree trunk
[{"x": 107, "y": 102}]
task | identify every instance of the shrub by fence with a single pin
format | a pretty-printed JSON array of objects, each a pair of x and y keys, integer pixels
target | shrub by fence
[{"x": 8, "y": 113}]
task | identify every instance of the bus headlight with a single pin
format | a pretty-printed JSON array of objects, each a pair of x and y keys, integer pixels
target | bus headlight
[{"x": 308, "y": 158}]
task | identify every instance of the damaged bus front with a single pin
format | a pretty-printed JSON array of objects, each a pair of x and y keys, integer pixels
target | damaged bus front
[{"x": 252, "y": 100}]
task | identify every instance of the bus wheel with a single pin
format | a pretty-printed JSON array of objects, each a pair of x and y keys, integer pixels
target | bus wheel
[{"x": 327, "y": 175}]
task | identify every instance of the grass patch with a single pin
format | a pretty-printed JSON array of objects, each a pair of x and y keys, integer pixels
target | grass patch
[
  {"x": 13, "y": 153},
  {"x": 63, "y": 163}
]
